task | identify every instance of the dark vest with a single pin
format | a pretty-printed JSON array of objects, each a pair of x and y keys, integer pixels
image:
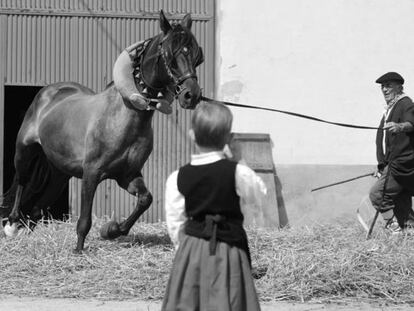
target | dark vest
[{"x": 212, "y": 204}]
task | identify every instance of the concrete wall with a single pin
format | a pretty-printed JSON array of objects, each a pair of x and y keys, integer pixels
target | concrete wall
[{"x": 319, "y": 58}]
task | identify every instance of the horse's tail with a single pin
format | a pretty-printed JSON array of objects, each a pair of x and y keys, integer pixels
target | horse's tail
[{"x": 40, "y": 174}]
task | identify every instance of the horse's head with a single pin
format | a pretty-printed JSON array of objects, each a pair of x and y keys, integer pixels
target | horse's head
[{"x": 181, "y": 54}]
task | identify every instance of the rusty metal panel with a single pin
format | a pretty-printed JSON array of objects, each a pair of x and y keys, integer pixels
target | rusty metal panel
[{"x": 52, "y": 41}]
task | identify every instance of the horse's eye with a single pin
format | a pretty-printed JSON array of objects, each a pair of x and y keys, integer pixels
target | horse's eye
[
  {"x": 174, "y": 63},
  {"x": 185, "y": 50}
]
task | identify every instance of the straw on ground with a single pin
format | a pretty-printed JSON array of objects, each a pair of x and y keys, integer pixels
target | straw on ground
[{"x": 316, "y": 263}]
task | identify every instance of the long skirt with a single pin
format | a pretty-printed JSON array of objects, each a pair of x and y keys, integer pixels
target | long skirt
[{"x": 203, "y": 282}]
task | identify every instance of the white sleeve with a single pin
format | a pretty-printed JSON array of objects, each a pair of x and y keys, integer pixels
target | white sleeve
[
  {"x": 174, "y": 208},
  {"x": 251, "y": 190},
  {"x": 123, "y": 75}
]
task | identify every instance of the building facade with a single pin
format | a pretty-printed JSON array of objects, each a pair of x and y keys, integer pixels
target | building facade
[{"x": 320, "y": 58}]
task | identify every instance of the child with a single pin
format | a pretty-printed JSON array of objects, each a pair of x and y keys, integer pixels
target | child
[{"x": 211, "y": 269}]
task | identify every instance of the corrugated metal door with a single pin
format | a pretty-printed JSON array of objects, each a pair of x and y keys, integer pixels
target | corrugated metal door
[{"x": 43, "y": 42}]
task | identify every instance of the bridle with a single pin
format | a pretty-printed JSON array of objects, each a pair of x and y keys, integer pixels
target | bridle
[{"x": 176, "y": 82}]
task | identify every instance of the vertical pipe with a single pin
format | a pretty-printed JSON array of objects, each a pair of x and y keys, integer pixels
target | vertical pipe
[{"x": 3, "y": 61}]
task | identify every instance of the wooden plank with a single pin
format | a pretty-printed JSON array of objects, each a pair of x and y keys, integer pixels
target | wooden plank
[{"x": 256, "y": 150}]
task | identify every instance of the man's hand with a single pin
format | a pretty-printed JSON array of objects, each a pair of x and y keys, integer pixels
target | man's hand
[
  {"x": 163, "y": 106},
  {"x": 377, "y": 173},
  {"x": 393, "y": 127},
  {"x": 138, "y": 101},
  {"x": 398, "y": 127}
]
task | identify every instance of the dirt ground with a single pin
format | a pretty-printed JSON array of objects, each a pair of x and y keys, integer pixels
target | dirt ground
[{"x": 9, "y": 303}]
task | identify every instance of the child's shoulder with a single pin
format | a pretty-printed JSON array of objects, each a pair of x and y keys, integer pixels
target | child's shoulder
[
  {"x": 244, "y": 172},
  {"x": 172, "y": 176},
  {"x": 243, "y": 167}
]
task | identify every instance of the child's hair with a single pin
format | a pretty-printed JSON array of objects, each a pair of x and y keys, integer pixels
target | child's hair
[{"x": 211, "y": 123}]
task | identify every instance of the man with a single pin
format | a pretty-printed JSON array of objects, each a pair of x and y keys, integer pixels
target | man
[{"x": 391, "y": 194}]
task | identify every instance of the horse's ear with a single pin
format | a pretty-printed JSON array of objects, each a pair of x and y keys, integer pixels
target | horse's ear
[
  {"x": 187, "y": 21},
  {"x": 164, "y": 23}
]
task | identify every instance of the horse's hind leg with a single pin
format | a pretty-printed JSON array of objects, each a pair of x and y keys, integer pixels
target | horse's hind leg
[
  {"x": 11, "y": 227},
  {"x": 136, "y": 187},
  {"x": 53, "y": 189}
]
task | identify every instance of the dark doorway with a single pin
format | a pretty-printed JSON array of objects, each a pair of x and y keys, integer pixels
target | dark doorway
[{"x": 17, "y": 100}]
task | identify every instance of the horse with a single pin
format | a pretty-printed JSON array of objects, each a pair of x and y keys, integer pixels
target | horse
[{"x": 69, "y": 130}]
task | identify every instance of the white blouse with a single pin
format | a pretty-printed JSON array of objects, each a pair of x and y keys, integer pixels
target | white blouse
[{"x": 249, "y": 187}]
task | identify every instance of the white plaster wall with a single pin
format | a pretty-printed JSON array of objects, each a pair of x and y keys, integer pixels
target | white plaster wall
[{"x": 315, "y": 57}]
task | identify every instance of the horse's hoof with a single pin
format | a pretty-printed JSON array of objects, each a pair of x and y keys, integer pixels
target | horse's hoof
[
  {"x": 110, "y": 230},
  {"x": 11, "y": 230},
  {"x": 77, "y": 251}
]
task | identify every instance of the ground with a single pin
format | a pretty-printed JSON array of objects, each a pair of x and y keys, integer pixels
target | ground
[
  {"x": 332, "y": 266},
  {"x": 12, "y": 303}
]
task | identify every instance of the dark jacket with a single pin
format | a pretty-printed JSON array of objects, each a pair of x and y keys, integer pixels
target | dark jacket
[{"x": 399, "y": 153}]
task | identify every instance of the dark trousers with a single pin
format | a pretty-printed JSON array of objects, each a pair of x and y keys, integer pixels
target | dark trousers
[{"x": 387, "y": 194}]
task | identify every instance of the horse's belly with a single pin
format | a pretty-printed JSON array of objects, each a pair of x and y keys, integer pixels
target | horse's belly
[
  {"x": 62, "y": 137},
  {"x": 70, "y": 166},
  {"x": 130, "y": 164}
]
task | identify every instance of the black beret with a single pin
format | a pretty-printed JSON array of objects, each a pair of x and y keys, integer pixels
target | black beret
[{"x": 390, "y": 76}]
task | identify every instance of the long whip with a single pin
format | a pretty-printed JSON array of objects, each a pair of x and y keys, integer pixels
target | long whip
[{"x": 343, "y": 181}]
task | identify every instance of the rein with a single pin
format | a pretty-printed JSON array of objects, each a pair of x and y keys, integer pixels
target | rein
[{"x": 209, "y": 100}]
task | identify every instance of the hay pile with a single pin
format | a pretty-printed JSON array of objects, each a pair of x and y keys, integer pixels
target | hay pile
[
  {"x": 43, "y": 263},
  {"x": 334, "y": 263},
  {"x": 319, "y": 263}
]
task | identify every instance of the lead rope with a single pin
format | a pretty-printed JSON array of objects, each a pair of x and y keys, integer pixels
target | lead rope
[{"x": 206, "y": 99}]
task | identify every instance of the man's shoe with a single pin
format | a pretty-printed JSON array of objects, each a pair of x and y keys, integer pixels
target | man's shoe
[
  {"x": 409, "y": 227},
  {"x": 393, "y": 227}
]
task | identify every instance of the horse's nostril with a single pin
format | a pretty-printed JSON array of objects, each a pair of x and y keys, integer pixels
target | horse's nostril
[{"x": 187, "y": 95}]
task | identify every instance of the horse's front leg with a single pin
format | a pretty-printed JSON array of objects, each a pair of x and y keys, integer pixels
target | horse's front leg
[
  {"x": 136, "y": 187},
  {"x": 90, "y": 181}
]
